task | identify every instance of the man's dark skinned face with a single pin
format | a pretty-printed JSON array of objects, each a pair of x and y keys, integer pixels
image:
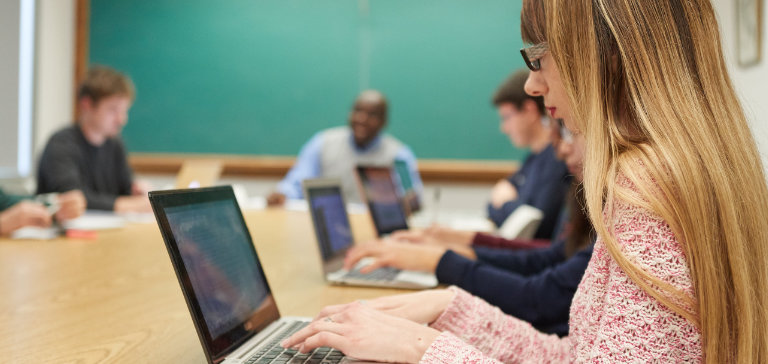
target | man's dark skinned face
[{"x": 366, "y": 120}]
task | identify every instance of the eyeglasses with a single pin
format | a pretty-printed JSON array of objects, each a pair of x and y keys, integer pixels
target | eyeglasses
[{"x": 532, "y": 55}]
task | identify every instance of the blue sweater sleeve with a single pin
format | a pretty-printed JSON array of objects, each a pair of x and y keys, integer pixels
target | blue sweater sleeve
[
  {"x": 543, "y": 299},
  {"x": 542, "y": 183},
  {"x": 549, "y": 197},
  {"x": 498, "y": 215},
  {"x": 523, "y": 262},
  {"x": 307, "y": 166}
]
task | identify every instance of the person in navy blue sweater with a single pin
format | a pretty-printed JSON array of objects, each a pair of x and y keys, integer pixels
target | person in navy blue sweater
[
  {"x": 542, "y": 181},
  {"x": 533, "y": 285},
  {"x": 522, "y": 278}
]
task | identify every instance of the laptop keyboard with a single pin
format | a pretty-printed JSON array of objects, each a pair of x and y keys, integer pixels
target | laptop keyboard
[
  {"x": 273, "y": 353},
  {"x": 381, "y": 274}
]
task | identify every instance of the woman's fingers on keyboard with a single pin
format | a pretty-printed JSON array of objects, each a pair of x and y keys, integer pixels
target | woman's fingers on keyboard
[
  {"x": 359, "y": 252},
  {"x": 330, "y": 310},
  {"x": 323, "y": 338},
  {"x": 325, "y": 324}
]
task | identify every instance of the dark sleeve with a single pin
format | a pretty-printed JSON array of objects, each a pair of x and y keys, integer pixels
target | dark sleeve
[
  {"x": 524, "y": 262},
  {"x": 546, "y": 183},
  {"x": 488, "y": 240},
  {"x": 59, "y": 171},
  {"x": 498, "y": 215},
  {"x": 548, "y": 197},
  {"x": 541, "y": 298},
  {"x": 124, "y": 172}
]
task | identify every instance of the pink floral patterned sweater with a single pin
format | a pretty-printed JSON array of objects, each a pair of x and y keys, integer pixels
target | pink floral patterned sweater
[{"x": 612, "y": 320}]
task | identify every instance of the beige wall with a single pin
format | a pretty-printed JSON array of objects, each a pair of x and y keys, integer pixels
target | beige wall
[
  {"x": 16, "y": 72},
  {"x": 750, "y": 83},
  {"x": 54, "y": 75},
  {"x": 54, "y": 68}
]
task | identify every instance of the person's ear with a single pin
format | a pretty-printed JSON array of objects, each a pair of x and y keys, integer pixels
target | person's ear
[
  {"x": 530, "y": 107},
  {"x": 85, "y": 103}
]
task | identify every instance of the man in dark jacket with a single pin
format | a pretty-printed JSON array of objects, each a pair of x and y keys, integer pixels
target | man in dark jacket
[{"x": 89, "y": 155}]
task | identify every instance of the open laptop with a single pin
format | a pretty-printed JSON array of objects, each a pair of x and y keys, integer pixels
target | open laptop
[
  {"x": 195, "y": 173},
  {"x": 334, "y": 238},
  {"x": 385, "y": 205},
  {"x": 411, "y": 198},
  {"x": 223, "y": 283}
]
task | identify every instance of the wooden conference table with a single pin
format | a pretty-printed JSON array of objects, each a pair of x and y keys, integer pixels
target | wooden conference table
[{"x": 115, "y": 299}]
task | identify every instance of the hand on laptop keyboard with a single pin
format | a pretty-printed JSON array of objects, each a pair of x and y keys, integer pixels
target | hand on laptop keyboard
[
  {"x": 366, "y": 334},
  {"x": 406, "y": 256},
  {"x": 273, "y": 353}
]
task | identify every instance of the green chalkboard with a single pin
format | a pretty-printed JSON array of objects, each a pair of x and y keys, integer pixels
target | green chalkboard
[{"x": 261, "y": 77}]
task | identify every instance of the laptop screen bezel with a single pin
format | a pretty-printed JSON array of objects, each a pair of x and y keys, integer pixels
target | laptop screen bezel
[
  {"x": 335, "y": 260},
  {"x": 216, "y": 349},
  {"x": 380, "y": 230}
]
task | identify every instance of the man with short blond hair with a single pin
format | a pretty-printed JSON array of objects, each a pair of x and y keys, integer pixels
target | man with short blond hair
[{"x": 90, "y": 155}]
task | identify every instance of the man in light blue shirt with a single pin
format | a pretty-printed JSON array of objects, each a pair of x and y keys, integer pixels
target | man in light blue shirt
[{"x": 334, "y": 153}]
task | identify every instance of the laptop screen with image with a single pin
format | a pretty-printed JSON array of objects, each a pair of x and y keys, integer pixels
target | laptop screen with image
[
  {"x": 406, "y": 186},
  {"x": 383, "y": 201},
  {"x": 405, "y": 176},
  {"x": 216, "y": 264},
  {"x": 329, "y": 215}
]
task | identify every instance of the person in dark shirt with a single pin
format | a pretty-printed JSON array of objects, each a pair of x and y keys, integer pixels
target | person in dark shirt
[
  {"x": 542, "y": 181},
  {"x": 18, "y": 211},
  {"x": 89, "y": 155},
  {"x": 522, "y": 278}
]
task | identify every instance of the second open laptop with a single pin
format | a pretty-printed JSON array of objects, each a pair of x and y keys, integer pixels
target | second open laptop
[
  {"x": 389, "y": 208},
  {"x": 196, "y": 173},
  {"x": 223, "y": 283},
  {"x": 334, "y": 238},
  {"x": 411, "y": 199},
  {"x": 385, "y": 204}
]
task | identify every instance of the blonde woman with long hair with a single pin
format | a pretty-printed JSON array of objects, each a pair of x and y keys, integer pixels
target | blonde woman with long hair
[{"x": 674, "y": 187}]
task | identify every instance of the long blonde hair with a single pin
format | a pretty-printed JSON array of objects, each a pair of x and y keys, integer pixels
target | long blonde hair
[{"x": 649, "y": 88}]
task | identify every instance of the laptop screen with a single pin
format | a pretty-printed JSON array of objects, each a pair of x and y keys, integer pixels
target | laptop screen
[
  {"x": 406, "y": 185},
  {"x": 217, "y": 266},
  {"x": 405, "y": 175},
  {"x": 383, "y": 201},
  {"x": 329, "y": 216}
]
